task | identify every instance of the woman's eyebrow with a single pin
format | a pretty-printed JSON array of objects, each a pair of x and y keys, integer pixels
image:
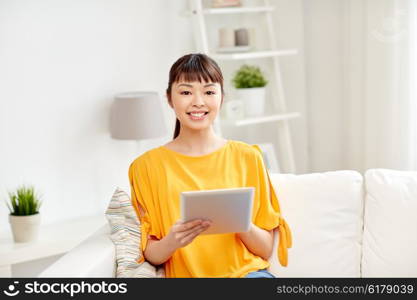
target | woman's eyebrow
[
  {"x": 185, "y": 84},
  {"x": 210, "y": 84},
  {"x": 190, "y": 85}
]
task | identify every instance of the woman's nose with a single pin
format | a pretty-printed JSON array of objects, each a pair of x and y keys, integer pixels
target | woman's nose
[{"x": 198, "y": 100}]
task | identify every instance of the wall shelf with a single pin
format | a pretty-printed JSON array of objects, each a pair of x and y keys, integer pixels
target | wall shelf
[
  {"x": 237, "y": 10},
  {"x": 263, "y": 119},
  {"x": 256, "y": 54}
]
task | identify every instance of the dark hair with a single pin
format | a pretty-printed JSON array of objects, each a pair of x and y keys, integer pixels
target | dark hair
[{"x": 193, "y": 67}]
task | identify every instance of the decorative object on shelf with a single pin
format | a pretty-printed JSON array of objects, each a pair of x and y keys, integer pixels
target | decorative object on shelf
[
  {"x": 250, "y": 84},
  {"x": 234, "y": 40},
  {"x": 241, "y": 37},
  {"x": 137, "y": 116},
  {"x": 235, "y": 110},
  {"x": 24, "y": 215},
  {"x": 225, "y": 3},
  {"x": 226, "y": 37},
  {"x": 270, "y": 159}
]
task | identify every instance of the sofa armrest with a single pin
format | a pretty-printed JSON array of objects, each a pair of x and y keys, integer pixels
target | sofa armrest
[{"x": 94, "y": 257}]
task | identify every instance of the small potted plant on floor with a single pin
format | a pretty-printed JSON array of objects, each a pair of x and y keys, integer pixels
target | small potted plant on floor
[
  {"x": 24, "y": 215},
  {"x": 250, "y": 84}
]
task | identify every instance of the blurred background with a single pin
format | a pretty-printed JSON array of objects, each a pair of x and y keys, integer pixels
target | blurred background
[{"x": 350, "y": 76}]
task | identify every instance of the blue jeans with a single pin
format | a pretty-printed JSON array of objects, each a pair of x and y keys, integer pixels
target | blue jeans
[{"x": 260, "y": 274}]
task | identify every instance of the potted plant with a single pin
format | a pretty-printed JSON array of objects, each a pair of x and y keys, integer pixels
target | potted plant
[
  {"x": 250, "y": 84},
  {"x": 24, "y": 215}
]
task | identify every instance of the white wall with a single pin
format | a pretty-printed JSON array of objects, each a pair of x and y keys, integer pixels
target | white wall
[
  {"x": 324, "y": 77},
  {"x": 290, "y": 28},
  {"x": 62, "y": 62},
  {"x": 357, "y": 93},
  {"x": 380, "y": 106}
]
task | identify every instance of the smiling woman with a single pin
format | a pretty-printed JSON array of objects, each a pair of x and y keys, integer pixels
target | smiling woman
[
  {"x": 198, "y": 159},
  {"x": 195, "y": 83}
]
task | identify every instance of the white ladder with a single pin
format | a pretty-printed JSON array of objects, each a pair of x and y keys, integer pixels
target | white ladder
[{"x": 282, "y": 117}]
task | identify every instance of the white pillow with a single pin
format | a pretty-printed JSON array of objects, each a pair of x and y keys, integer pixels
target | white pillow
[
  {"x": 324, "y": 214},
  {"x": 390, "y": 231},
  {"x": 125, "y": 234}
]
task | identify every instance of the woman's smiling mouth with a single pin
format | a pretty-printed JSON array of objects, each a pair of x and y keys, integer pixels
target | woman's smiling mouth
[{"x": 197, "y": 115}]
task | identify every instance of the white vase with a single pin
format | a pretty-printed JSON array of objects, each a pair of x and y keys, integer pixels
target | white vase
[
  {"x": 254, "y": 101},
  {"x": 25, "y": 228}
]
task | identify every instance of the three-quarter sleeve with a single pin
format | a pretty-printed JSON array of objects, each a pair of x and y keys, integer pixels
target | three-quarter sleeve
[
  {"x": 141, "y": 199},
  {"x": 268, "y": 215}
]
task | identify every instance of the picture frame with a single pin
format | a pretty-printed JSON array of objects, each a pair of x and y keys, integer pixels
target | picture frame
[{"x": 269, "y": 157}]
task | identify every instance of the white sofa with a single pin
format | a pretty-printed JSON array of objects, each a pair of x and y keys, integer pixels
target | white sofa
[{"x": 343, "y": 225}]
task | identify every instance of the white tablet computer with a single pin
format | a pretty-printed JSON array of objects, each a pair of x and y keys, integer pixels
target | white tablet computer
[{"x": 230, "y": 210}]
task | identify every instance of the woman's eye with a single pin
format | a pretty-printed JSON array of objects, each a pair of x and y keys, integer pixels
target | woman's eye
[
  {"x": 185, "y": 93},
  {"x": 211, "y": 93}
]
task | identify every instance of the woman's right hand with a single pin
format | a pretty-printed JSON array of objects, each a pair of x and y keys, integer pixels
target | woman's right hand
[{"x": 183, "y": 233}]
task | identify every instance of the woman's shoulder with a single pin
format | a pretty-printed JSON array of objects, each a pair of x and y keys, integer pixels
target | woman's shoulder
[
  {"x": 146, "y": 157},
  {"x": 245, "y": 148}
]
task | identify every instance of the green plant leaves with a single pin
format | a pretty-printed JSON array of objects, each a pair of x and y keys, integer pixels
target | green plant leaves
[
  {"x": 24, "y": 202},
  {"x": 249, "y": 77}
]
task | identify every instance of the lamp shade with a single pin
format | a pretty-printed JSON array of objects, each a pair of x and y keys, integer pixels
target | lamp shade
[{"x": 137, "y": 116}]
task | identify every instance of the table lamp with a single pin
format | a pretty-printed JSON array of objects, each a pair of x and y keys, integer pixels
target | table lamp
[{"x": 137, "y": 116}]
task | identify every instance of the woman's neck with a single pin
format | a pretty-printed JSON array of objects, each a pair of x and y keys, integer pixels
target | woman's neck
[{"x": 197, "y": 142}]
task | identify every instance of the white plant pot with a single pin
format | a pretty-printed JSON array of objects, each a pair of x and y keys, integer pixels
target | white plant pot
[
  {"x": 25, "y": 228},
  {"x": 254, "y": 101}
]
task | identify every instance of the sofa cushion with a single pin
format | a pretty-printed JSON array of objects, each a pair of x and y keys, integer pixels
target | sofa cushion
[
  {"x": 125, "y": 234},
  {"x": 390, "y": 230},
  {"x": 324, "y": 212}
]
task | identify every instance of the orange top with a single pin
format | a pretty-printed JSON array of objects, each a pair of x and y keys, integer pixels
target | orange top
[{"x": 157, "y": 178}]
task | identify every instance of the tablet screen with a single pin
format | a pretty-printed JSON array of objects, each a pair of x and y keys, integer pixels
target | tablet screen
[{"x": 230, "y": 210}]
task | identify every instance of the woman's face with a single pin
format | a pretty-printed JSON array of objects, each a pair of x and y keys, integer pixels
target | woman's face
[{"x": 196, "y": 104}]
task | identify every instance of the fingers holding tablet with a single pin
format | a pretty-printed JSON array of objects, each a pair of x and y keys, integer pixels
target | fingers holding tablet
[
  {"x": 193, "y": 234},
  {"x": 185, "y": 226},
  {"x": 182, "y": 233}
]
